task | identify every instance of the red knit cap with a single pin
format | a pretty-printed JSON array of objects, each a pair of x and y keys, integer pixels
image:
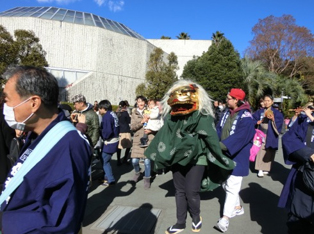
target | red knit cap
[{"x": 237, "y": 93}]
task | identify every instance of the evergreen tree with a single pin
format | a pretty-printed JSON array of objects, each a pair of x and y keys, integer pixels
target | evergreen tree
[
  {"x": 7, "y": 50},
  {"x": 218, "y": 70},
  {"x": 30, "y": 51},
  {"x": 160, "y": 75}
]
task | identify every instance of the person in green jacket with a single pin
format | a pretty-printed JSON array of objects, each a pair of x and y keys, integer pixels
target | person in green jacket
[{"x": 188, "y": 145}]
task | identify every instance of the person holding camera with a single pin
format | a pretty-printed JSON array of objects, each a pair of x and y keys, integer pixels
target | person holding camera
[{"x": 92, "y": 120}]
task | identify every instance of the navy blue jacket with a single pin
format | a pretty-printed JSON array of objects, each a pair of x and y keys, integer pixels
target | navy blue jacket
[
  {"x": 240, "y": 142},
  {"x": 53, "y": 195},
  {"x": 110, "y": 129},
  {"x": 294, "y": 196},
  {"x": 271, "y": 136}
]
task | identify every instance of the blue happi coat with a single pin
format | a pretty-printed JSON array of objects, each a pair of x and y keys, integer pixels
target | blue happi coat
[
  {"x": 271, "y": 135},
  {"x": 240, "y": 140},
  {"x": 109, "y": 130},
  {"x": 53, "y": 194},
  {"x": 294, "y": 196}
]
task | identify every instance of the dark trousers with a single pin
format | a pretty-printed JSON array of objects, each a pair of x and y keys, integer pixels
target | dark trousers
[
  {"x": 187, "y": 182},
  {"x": 299, "y": 226}
]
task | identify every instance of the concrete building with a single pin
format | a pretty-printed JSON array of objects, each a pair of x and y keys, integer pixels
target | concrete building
[
  {"x": 184, "y": 49},
  {"x": 89, "y": 54}
]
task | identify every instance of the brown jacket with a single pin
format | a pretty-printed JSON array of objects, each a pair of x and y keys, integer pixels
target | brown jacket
[{"x": 138, "y": 131}]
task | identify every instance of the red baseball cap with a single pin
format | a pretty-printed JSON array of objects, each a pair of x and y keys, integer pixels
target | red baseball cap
[{"x": 237, "y": 93}]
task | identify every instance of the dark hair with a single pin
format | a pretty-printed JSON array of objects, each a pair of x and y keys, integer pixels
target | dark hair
[
  {"x": 142, "y": 98},
  {"x": 35, "y": 81},
  {"x": 268, "y": 95},
  {"x": 105, "y": 104},
  {"x": 122, "y": 103},
  {"x": 96, "y": 107}
]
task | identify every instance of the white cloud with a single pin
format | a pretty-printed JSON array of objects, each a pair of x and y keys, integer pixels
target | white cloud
[
  {"x": 57, "y": 1},
  {"x": 115, "y": 5},
  {"x": 99, "y": 2}
]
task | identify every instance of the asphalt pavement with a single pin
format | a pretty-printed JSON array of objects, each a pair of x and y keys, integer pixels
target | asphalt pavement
[{"x": 259, "y": 198}]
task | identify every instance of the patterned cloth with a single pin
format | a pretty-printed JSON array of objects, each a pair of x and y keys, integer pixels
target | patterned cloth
[{"x": 190, "y": 139}]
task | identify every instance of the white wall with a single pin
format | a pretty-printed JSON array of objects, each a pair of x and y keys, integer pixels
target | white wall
[{"x": 184, "y": 49}]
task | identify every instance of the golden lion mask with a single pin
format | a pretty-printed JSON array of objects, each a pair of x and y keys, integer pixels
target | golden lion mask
[{"x": 184, "y": 100}]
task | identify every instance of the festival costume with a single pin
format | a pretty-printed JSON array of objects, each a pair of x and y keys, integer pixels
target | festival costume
[
  {"x": 52, "y": 197},
  {"x": 186, "y": 144},
  {"x": 298, "y": 147},
  {"x": 272, "y": 130}
]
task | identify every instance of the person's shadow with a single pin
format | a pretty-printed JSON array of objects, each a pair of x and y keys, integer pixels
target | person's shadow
[
  {"x": 264, "y": 209},
  {"x": 98, "y": 203},
  {"x": 139, "y": 221}
]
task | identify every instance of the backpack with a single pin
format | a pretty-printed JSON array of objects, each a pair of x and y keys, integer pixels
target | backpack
[{"x": 307, "y": 170}]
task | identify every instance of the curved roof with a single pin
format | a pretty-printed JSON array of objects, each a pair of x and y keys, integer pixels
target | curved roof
[{"x": 76, "y": 17}]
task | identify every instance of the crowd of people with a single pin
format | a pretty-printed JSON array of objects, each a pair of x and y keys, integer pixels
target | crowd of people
[{"x": 186, "y": 133}]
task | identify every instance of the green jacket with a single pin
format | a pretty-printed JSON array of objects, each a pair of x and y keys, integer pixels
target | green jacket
[{"x": 92, "y": 122}]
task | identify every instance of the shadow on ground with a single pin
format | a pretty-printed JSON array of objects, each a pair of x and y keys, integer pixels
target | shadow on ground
[
  {"x": 264, "y": 210},
  {"x": 139, "y": 221}
]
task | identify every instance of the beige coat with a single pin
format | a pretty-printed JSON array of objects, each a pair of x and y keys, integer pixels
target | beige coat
[{"x": 138, "y": 130}]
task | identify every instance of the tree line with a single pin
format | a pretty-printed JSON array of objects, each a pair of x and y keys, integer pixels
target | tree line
[{"x": 279, "y": 61}]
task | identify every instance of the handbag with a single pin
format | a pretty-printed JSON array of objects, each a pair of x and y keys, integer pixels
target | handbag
[{"x": 307, "y": 170}]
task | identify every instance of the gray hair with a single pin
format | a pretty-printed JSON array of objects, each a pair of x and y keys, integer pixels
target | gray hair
[
  {"x": 35, "y": 81},
  {"x": 205, "y": 101}
]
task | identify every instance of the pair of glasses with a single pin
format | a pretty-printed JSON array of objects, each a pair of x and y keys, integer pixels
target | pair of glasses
[{"x": 227, "y": 98}]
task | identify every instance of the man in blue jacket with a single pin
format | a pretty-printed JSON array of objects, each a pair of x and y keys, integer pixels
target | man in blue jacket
[
  {"x": 110, "y": 134},
  {"x": 236, "y": 131},
  {"x": 52, "y": 195}
]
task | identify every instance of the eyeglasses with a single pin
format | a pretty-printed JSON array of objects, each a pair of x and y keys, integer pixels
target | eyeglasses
[{"x": 229, "y": 98}]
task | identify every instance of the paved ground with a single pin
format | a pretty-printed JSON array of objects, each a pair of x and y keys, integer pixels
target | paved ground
[{"x": 259, "y": 196}]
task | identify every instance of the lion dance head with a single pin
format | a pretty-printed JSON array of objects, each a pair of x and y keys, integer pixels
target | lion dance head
[{"x": 185, "y": 97}]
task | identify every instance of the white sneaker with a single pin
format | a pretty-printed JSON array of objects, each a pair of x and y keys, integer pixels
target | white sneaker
[
  {"x": 265, "y": 172},
  {"x": 237, "y": 212},
  {"x": 222, "y": 224},
  {"x": 260, "y": 173}
]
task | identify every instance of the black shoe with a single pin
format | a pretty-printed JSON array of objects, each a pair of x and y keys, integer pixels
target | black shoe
[{"x": 177, "y": 228}]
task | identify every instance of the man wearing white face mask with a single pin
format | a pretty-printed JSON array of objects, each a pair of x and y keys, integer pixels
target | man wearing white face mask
[{"x": 45, "y": 192}]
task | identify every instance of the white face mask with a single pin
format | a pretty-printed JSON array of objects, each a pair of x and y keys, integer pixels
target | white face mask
[
  {"x": 9, "y": 116},
  {"x": 220, "y": 107}
]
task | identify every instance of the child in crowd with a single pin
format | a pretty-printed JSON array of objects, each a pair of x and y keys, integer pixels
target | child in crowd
[{"x": 154, "y": 123}]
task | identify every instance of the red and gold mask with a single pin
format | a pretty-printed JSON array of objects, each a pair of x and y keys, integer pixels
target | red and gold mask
[{"x": 184, "y": 100}]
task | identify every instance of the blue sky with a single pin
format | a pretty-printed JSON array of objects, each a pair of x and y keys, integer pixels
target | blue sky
[{"x": 199, "y": 18}]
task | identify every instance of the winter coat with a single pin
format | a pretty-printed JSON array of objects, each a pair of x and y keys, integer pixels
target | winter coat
[
  {"x": 92, "y": 122},
  {"x": 138, "y": 131}
]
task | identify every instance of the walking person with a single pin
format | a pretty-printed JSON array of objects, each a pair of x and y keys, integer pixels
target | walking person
[
  {"x": 187, "y": 144},
  {"x": 110, "y": 134},
  {"x": 137, "y": 121},
  {"x": 125, "y": 140},
  {"x": 236, "y": 131},
  {"x": 269, "y": 121},
  {"x": 296, "y": 196},
  {"x": 46, "y": 190}
]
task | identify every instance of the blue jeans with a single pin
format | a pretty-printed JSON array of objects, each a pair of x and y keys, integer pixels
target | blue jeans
[
  {"x": 107, "y": 167},
  {"x": 136, "y": 165}
]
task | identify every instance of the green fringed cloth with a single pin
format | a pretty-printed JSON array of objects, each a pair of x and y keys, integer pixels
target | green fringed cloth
[{"x": 188, "y": 139}]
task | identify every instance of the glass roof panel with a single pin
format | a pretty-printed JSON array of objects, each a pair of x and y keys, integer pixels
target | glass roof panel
[{"x": 70, "y": 16}]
